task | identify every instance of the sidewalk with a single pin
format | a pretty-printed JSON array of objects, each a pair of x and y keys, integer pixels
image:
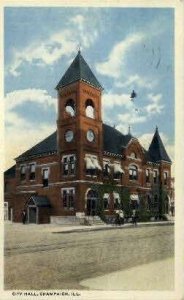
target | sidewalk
[
  {"x": 63, "y": 229},
  {"x": 83, "y": 228},
  {"x": 157, "y": 275}
]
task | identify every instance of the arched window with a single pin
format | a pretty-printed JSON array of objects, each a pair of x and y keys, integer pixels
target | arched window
[
  {"x": 133, "y": 172},
  {"x": 133, "y": 155},
  {"x": 90, "y": 109},
  {"x": 70, "y": 107}
]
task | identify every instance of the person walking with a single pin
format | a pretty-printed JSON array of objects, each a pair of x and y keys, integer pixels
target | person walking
[
  {"x": 24, "y": 216},
  {"x": 122, "y": 217},
  {"x": 134, "y": 217}
]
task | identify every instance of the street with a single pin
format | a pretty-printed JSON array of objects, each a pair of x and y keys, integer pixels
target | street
[{"x": 36, "y": 258}]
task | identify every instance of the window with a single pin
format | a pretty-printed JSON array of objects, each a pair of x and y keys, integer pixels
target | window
[
  {"x": 106, "y": 169},
  {"x": 70, "y": 107},
  {"x": 92, "y": 165},
  {"x": 165, "y": 178},
  {"x": 155, "y": 202},
  {"x": 133, "y": 155},
  {"x": 133, "y": 173},
  {"x": 147, "y": 175},
  {"x": 45, "y": 177},
  {"x": 69, "y": 165},
  {"x": 118, "y": 171},
  {"x": 106, "y": 201},
  {"x": 149, "y": 203},
  {"x": 155, "y": 176},
  {"x": 90, "y": 111},
  {"x": 117, "y": 202},
  {"x": 22, "y": 173},
  {"x": 32, "y": 168},
  {"x": 68, "y": 196}
]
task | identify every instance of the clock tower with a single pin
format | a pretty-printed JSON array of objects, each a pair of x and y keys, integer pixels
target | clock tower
[{"x": 79, "y": 124}]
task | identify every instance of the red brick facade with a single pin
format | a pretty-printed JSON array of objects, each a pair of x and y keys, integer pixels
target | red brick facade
[{"x": 67, "y": 182}]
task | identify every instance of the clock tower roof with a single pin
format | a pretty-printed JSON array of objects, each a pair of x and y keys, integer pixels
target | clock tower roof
[{"x": 79, "y": 70}]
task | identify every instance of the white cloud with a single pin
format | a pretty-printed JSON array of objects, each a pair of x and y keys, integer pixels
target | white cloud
[
  {"x": 110, "y": 100},
  {"x": 20, "y": 134},
  {"x": 57, "y": 45},
  {"x": 155, "y": 107},
  {"x": 113, "y": 65},
  {"x": 19, "y": 97},
  {"x": 136, "y": 80},
  {"x": 131, "y": 118}
]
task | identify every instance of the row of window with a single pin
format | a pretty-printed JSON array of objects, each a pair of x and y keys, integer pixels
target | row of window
[
  {"x": 92, "y": 169},
  {"x": 68, "y": 197}
]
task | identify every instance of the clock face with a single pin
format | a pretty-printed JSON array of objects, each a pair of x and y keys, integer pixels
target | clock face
[
  {"x": 90, "y": 135},
  {"x": 69, "y": 135}
]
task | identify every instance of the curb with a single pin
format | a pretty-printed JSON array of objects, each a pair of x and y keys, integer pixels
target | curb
[{"x": 114, "y": 227}]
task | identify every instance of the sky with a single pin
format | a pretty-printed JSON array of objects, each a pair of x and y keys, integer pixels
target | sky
[{"x": 126, "y": 48}]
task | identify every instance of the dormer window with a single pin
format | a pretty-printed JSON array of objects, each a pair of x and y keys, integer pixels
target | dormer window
[
  {"x": 32, "y": 168},
  {"x": 133, "y": 172},
  {"x": 133, "y": 155},
  {"x": 22, "y": 172}
]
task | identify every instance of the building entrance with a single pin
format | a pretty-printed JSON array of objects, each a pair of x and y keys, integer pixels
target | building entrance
[{"x": 92, "y": 200}]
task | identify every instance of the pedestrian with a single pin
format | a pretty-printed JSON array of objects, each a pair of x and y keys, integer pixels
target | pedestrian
[
  {"x": 122, "y": 217},
  {"x": 117, "y": 219},
  {"x": 134, "y": 217},
  {"x": 24, "y": 216}
]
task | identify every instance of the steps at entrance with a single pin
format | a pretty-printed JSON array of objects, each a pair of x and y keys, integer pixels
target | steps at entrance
[
  {"x": 74, "y": 220},
  {"x": 94, "y": 220}
]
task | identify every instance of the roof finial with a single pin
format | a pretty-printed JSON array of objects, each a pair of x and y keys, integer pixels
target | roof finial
[
  {"x": 79, "y": 47},
  {"x": 156, "y": 128},
  {"x": 129, "y": 132}
]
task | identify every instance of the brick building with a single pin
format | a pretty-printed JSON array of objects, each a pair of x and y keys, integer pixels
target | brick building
[{"x": 56, "y": 177}]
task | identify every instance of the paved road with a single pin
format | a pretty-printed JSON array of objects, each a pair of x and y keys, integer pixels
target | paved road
[{"x": 36, "y": 259}]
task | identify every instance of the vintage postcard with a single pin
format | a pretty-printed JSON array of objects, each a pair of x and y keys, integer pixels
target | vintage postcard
[{"x": 92, "y": 150}]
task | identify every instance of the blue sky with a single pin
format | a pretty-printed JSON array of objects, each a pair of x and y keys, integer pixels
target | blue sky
[{"x": 127, "y": 48}]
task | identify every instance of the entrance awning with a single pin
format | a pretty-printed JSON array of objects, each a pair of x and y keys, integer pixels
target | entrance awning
[
  {"x": 40, "y": 201},
  {"x": 134, "y": 197},
  {"x": 118, "y": 169}
]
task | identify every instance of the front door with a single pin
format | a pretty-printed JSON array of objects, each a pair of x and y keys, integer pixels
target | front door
[
  {"x": 32, "y": 214},
  {"x": 92, "y": 198}
]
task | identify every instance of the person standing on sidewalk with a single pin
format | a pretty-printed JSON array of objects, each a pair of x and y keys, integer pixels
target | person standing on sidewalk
[
  {"x": 134, "y": 217},
  {"x": 122, "y": 217},
  {"x": 24, "y": 216}
]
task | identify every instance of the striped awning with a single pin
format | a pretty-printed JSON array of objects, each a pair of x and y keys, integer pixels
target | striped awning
[
  {"x": 96, "y": 163},
  {"x": 118, "y": 169},
  {"x": 89, "y": 164}
]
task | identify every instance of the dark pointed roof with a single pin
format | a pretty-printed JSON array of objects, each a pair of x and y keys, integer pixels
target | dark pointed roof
[
  {"x": 10, "y": 173},
  {"x": 79, "y": 70},
  {"x": 48, "y": 145},
  {"x": 157, "y": 150}
]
